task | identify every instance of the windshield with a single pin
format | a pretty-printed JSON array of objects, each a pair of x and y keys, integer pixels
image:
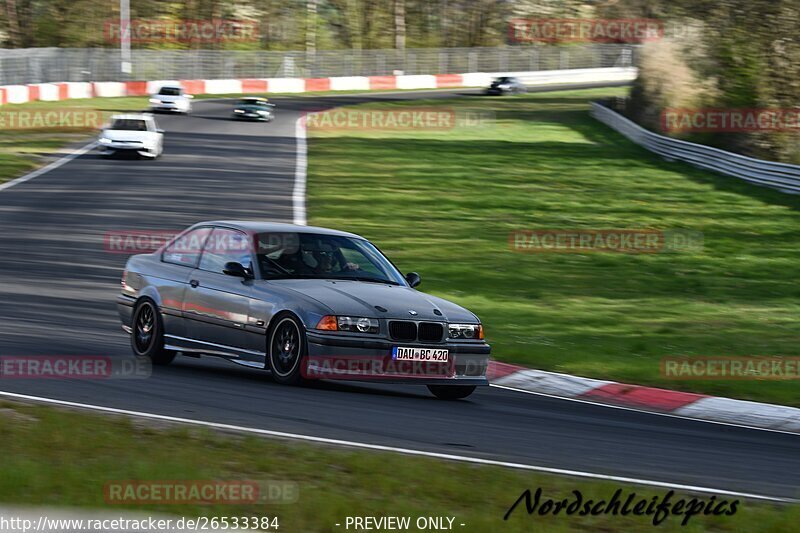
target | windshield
[
  {"x": 316, "y": 256},
  {"x": 129, "y": 124},
  {"x": 260, "y": 103},
  {"x": 170, "y": 91}
]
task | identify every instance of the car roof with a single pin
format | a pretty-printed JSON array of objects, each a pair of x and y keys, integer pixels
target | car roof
[
  {"x": 259, "y": 226},
  {"x": 253, "y": 99},
  {"x": 179, "y": 87},
  {"x": 132, "y": 116}
]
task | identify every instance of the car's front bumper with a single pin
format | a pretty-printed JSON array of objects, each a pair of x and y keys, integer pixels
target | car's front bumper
[
  {"x": 122, "y": 147},
  {"x": 332, "y": 356},
  {"x": 167, "y": 108},
  {"x": 252, "y": 117}
]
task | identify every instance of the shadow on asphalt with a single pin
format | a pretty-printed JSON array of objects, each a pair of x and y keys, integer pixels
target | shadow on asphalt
[{"x": 202, "y": 368}]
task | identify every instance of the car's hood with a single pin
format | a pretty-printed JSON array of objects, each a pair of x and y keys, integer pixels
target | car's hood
[
  {"x": 126, "y": 135},
  {"x": 358, "y": 298},
  {"x": 168, "y": 98}
]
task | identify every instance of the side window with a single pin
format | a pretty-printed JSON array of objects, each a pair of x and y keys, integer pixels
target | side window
[
  {"x": 185, "y": 249},
  {"x": 224, "y": 246}
]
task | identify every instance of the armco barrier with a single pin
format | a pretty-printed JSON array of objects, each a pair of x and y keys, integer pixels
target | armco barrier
[
  {"x": 781, "y": 176},
  {"x": 19, "y": 94}
]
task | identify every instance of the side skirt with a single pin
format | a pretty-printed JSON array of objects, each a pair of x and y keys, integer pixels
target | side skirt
[{"x": 249, "y": 358}]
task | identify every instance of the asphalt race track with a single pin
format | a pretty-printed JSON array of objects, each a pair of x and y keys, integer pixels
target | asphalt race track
[{"x": 57, "y": 297}]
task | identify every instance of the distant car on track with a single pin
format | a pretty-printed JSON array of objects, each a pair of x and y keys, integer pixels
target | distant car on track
[
  {"x": 301, "y": 301},
  {"x": 134, "y": 133},
  {"x": 506, "y": 85},
  {"x": 171, "y": 99},
  {"x": 254, "y": 108}
]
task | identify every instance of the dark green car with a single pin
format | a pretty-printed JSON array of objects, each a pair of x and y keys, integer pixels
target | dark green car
[{"x": 259, "y": 109}]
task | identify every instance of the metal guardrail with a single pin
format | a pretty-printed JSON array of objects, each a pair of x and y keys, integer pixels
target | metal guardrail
[
  {"x": 43, "y": 65},
  {"x": 781, "y": 176}
]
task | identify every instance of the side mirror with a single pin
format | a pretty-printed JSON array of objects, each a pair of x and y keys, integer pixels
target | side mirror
[
  {"x": 159, "y": 130},
  {"x": 236, "y": 269},
  {"x": 413, "y": 279},
  {"x": 189, "y": 96}
]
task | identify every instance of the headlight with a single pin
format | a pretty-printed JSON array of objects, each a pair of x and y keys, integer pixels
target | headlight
[
  {"x": 238, "y": 111},
  {"x": 465, "y": 331},
  {"x": 155, "y": 101},
  {"x": 104, "y": 140},
  {"x": 349, "y": 323}
]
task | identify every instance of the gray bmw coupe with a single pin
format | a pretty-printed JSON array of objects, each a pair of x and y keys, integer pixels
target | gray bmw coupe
[{"x": 302, "y": 302}]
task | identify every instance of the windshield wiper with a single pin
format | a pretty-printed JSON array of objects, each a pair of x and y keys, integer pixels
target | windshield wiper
[
  {"x": 362, "y": 278},
  {"x": 269, "y": 277}
]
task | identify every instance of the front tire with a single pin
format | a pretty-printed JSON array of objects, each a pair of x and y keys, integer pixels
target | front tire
[
  {"x": 451, "y": 392},
  {"x": 147, "y": 337},
  {"x": 286, "y": 350}
]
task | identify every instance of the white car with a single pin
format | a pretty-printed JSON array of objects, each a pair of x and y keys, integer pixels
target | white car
[
  {"x": 172, "y": 99},
  {"x": 135, "y": 133}
]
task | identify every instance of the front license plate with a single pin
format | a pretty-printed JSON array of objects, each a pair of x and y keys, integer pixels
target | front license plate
[{"x": 434, "y": 355}]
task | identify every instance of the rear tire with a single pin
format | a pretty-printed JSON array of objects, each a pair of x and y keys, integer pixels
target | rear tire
[
  {"x": 286, "y": 350},
  {"x": 147, "y": 337},
  {"x": 451, "y": 392}
]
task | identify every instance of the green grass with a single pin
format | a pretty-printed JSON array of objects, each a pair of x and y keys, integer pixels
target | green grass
[
  {"x": 443, "y": 203},
  {"x": 60, "y": 458}
]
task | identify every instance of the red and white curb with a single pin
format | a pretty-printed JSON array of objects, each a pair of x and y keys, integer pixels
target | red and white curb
[
  {"x": 677, "y": 403},
  {"x": 20, "y": 94}
]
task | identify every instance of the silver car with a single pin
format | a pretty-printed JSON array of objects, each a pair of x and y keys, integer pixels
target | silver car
[{"x": 302, "y": 302}]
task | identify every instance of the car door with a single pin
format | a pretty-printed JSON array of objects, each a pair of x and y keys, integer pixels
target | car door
[
  {"x": 217, "y": 305},
  {"x": 179, "y": 259}
]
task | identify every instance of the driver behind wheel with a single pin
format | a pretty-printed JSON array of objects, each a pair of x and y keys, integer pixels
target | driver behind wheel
[{"x": 323, "y": 258}]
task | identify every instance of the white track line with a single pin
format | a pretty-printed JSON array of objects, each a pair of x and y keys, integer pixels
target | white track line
[
  {"x": 639, "y": 410},
  {"x": 47, "y": 168},
  {"x": 405, "y": 451},
  {"x": 299, "y": 192}
]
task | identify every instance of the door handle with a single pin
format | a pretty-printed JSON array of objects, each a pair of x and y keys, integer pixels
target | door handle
[{"x": 194, "y": 283}]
